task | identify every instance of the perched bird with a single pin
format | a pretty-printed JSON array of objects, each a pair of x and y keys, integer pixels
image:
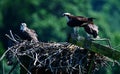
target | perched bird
[
  {"x": 28, "y": 33},
  {"x": 80, "y": 21}
]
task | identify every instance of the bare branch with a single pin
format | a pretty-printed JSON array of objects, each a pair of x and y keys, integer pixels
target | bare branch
[{"x": 4, "y": 54}]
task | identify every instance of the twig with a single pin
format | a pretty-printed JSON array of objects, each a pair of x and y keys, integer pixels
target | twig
[
  {"x": 36, "y": 59},
  {"x": 80, "y": 72},
  {"x": 23, "y": 65},
  {"x": 20, "y": 62},
  {"x": 18, "y": 37},
  {"x": 4, "y": 53},
  {"x": 11, "y": 38}
]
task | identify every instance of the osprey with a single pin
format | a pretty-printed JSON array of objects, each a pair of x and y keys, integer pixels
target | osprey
[
  {"x": 28, "y": 33},
  {"x": 80, "y": 21}
]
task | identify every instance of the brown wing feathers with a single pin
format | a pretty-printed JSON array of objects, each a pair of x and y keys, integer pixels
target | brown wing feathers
[{"x": 81, "y": 21}]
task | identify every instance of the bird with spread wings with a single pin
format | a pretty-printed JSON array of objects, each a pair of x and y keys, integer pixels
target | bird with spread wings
[{"x": 80, "y": 21}]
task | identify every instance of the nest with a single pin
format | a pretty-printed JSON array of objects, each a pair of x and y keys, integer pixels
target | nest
[{"x": 53, "y": 58}]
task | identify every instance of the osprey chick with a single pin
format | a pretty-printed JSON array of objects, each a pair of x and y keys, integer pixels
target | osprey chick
[{"x": 29, "y": 33}]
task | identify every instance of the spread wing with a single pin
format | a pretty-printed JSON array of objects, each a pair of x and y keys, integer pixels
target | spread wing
[{"x": 79, "y": 18}]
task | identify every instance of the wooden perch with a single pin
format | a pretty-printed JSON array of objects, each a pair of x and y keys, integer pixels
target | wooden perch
[{"x": 98, "y": 48}]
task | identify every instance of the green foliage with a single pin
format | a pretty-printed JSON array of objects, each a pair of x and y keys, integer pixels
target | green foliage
[{"x": 4, "y": 68}]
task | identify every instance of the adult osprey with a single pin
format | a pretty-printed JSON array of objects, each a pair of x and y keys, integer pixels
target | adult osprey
[
  {"x": 28, "y": 33},
  {"x": 80, "y": 21}
]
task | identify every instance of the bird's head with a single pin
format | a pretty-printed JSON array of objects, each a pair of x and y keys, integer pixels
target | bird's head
[
  {"x": 66, "y": 14},
  {"x": 23, "y": 27}
]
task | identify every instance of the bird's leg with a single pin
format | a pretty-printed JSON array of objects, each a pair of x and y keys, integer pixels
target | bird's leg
[
  {"x": 76, "y": 32},
  {"x": 88, "y": 36}
]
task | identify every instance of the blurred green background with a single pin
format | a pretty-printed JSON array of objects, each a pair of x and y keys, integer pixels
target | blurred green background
[{"x": 45, "y": 17}]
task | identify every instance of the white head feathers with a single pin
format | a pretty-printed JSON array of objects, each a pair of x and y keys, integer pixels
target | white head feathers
[
  {"x": 23, "y": 27},
  {"x": 66, "y": 14}
]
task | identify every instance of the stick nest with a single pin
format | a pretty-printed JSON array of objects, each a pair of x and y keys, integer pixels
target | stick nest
[
  {"x": 56, "y": 57},
  {"x": 52, "y": 57}
]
